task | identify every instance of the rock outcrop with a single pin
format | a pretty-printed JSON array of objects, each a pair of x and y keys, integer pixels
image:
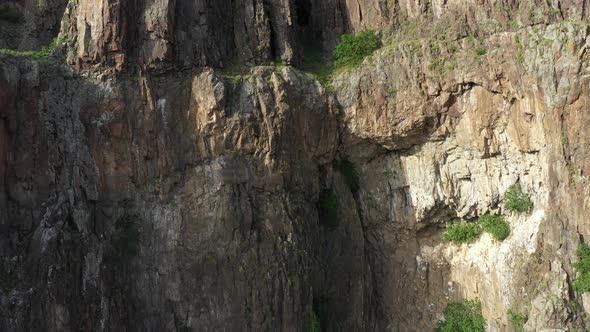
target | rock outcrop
[{"x": 142, "y": 189}]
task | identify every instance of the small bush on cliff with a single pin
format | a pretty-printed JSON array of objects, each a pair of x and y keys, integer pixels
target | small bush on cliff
[
  {"x": 328, "y": 208},
  {"x": 480, "y": 51},
  {"x": 517, "y": 319},
  {"x": 516, "y": 200},
  {"x": 313, "y": 323},
  {"x": 495, "y": 225},
  {"x": 462, "y": 317},
  {"x": 462, "y": 233},
  {"x": 582, "y": 281},
  {"x": 353, "y": 49}
]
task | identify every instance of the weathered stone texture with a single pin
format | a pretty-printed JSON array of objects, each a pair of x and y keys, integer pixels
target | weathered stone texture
[{"x": 142, "y": 191}]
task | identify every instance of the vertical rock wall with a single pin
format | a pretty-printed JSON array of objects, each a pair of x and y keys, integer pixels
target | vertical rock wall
[{"x": 140, "y": 191}]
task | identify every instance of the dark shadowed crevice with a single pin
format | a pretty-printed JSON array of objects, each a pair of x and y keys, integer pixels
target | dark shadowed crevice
[
  {"x": 360, "y": 13},
  {"x": 303, "y": 9},
  {"x": 274, "y": 53}
]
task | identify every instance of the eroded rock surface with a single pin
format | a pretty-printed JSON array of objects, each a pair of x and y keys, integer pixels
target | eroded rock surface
[{"x": 143, "y": 191}]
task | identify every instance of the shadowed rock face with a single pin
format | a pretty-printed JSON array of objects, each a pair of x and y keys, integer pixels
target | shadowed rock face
[
  {"x": 115, "y": 34},
  {"x": 29, "y": 24},
  {"x": 142, "y": 191}
]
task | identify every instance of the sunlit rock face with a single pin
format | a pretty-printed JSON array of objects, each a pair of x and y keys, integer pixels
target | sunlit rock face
[{"x": 166, "y": 167}]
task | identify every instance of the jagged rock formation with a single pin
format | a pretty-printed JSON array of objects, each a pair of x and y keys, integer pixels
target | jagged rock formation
[{"x": 142, "y": 190}]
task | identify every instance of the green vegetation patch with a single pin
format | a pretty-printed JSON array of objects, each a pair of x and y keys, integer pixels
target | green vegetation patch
[
  {"x": 517, "y": 319},
  {"x": 462, "y": 317},
  {"x": 466, "y": 232},
  {"x": 313, "y": 323},
  {"x": 462, "y": 233},
  {"x": 495, "y": 225},
  {"x": 41, "y": 54},
  {"x": 582, "y": 281},
  {"x": 519, "y": 48},
  {"x": 353, "y": 49},
  {"x": 516, "y": 200},
  {"x": 480, "y": 51},
  {"x": 328, "y": 208}
]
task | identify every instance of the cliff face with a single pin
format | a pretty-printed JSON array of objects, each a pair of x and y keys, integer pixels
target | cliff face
[{"x": 141, "y": 190}]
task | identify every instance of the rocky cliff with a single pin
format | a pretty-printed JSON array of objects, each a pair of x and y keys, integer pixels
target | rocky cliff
[{"x": 168, "y": 165}]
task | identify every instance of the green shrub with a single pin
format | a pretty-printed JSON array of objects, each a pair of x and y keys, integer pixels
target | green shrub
[
  {"x": 328, "y": 208},
  {"x": 495, "y": 225},
  {"x": 463, "y": 232},
  {"x": 348, "y": 171},
  {"x": 462, "y": 317},
  {"x": 352, "y": 49},
  {"x": 517, "y": 319},
  {"x": 582, "y": 281},
  {"x": 516, "y": 200},
  {"x": 313, "y": 323},
  {"x": 480, "y": 51},
  {"x": 125, "y": 239},
  {"x": 583, "y": 254}
]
